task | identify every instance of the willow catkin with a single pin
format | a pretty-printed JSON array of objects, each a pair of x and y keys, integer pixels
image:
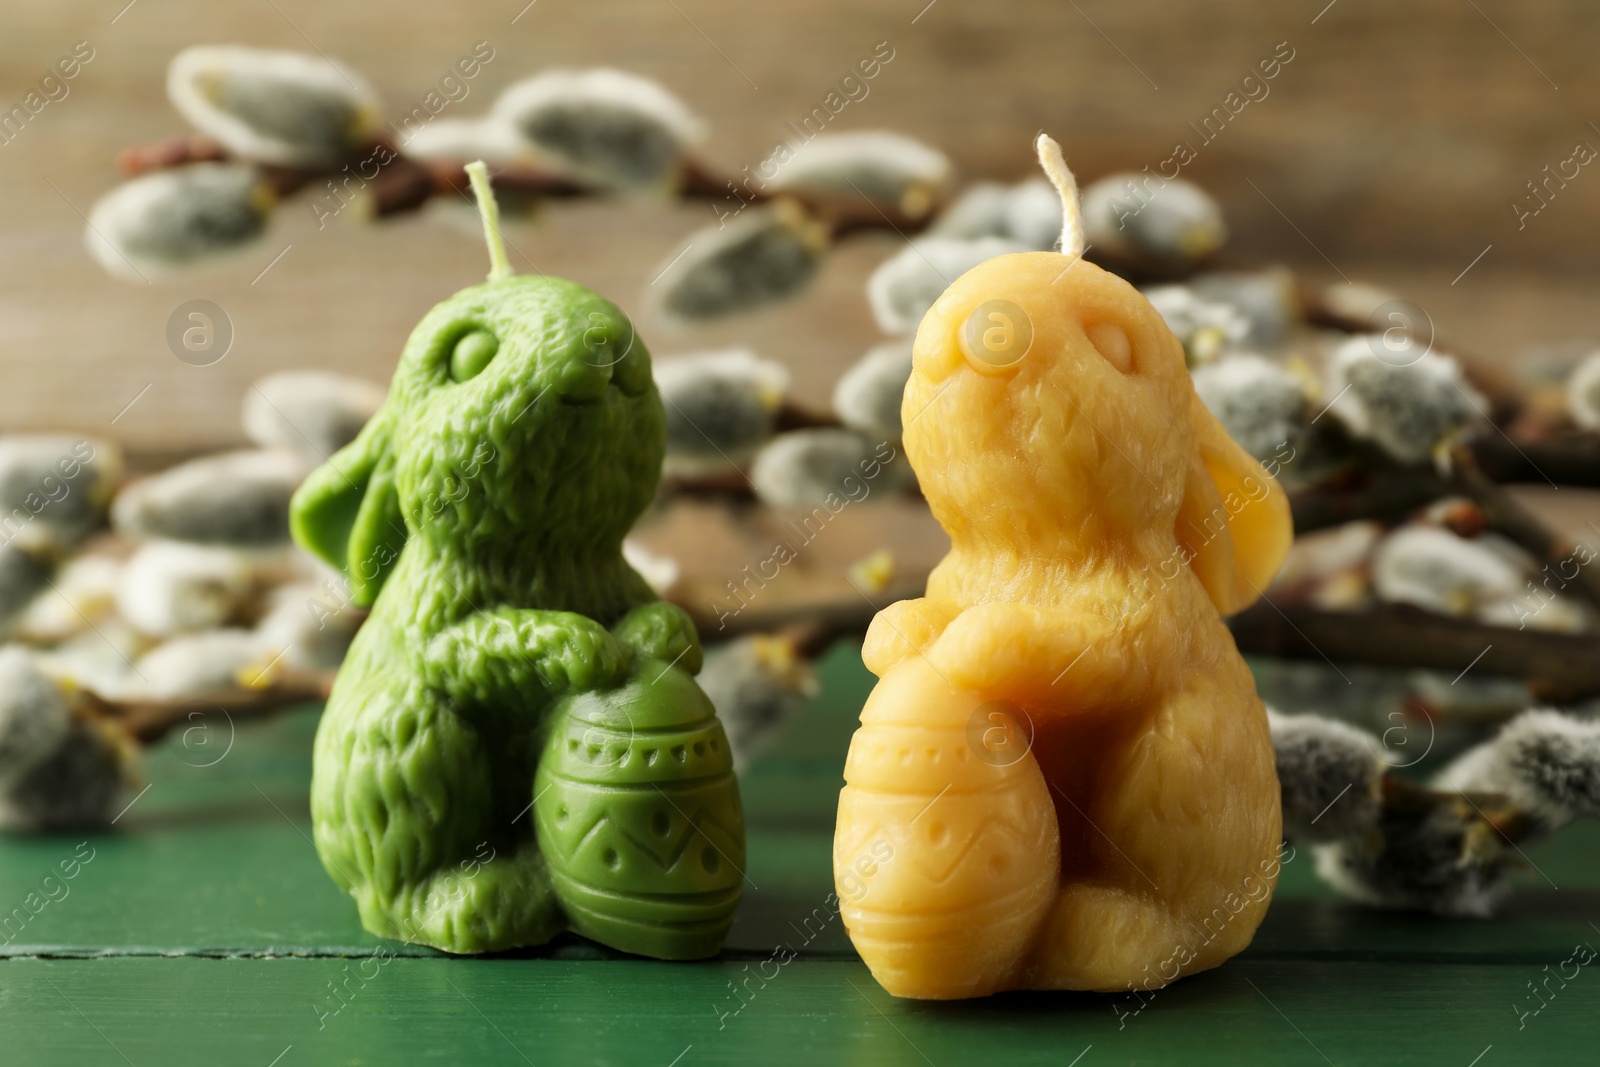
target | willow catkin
[
  {"x": 876, "y": 164},
  {"x": 170, "y": 587},
  {"x": 867, "y": 396},
  {"x": 763, "y": 256},
  {"x": 720, "y": 406},
  {"x": 606, "y": 127},
  {"x": 273, "y": 106},
  {"x": 1268, "y": 301},
  {"x": 54, "y": 488},
  {"x": 826, "y": 467},
  {"x": 1208, "y": 329},
  {"x": 905, "y": 286},
  {"x": 1405, "y": 399},
  {"x": 1138, "y": 217},
  {"x": 1331, "y": 774},
  {"x": 1583, "y": 393},
  {"x": 757, "y": 683},
  {"x": 1261, "y": 404},
  {"x": 161, "y": 223},
  {"x": 35, "y": 714},
  {"x": 1544, "y": 762},
  {"x": 310, "y": 413},
  {"x": 234, "y": 498},
  {"x": 197, "y": 663}
]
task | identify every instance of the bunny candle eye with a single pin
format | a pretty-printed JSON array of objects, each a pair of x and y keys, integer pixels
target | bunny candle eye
[
  {"x": 996, "y": 336},
  {"x": 1111, "y": 342},
  {"x": 472, "y": 353}
]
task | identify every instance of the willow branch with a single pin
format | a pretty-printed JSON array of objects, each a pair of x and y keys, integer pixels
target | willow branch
[
  {"x": 147, "y": 720},
  {"x": 1560, "y": 666},
  {"x": 1505, "y": 513},
  {"x": 402, "y": 185}
]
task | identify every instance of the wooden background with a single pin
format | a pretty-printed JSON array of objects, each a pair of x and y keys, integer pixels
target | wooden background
[{"x": 1394, "y": 143}]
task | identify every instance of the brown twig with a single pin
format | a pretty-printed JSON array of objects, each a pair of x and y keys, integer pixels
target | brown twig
[
  {"x": 1386, "y": 495},
  {"x": 1571, "y": 459},
  {"x": 147, "y": 721},
  {"x": 397, "y": 184},
  {"x": 1560, "y": 665},
  {"x": 1504, "y": 513}
]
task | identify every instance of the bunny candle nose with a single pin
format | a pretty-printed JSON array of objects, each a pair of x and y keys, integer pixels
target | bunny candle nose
[{"x": 583, "y": 381}]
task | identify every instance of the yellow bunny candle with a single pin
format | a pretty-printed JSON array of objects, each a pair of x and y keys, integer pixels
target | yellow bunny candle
[{"x": 1064, "y": 777}]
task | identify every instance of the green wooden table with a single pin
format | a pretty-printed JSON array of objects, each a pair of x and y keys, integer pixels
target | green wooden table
[{"x": 203, "y": 931}]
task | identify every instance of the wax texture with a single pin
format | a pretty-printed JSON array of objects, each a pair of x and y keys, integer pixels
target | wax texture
[
  {"x": 515, "y": 745},
  {"x": 1064, "y": 777}
]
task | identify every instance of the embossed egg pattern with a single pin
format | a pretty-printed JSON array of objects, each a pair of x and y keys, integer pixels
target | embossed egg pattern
[{"x": 639, "y": 817}]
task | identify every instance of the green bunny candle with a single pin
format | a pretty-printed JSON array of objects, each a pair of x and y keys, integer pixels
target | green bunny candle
[{"x": 513, "y": 660}]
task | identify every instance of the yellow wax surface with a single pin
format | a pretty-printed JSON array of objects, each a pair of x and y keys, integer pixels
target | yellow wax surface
[{"x": 1064, "y": 777}]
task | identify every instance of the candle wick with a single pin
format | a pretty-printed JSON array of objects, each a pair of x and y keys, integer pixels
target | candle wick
[
  {"x": 1055, "y": 168},
  {"x": 489, "y": 210}
]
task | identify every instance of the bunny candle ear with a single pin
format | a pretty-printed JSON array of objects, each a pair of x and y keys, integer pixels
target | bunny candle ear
[
  {"x": 1234, "y": 524},
  {"x": 347, "y": 511}
]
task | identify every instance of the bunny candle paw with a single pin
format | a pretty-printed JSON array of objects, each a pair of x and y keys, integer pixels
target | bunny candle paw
[
  {"x": 1064, "y": 777},
  {"x": 512, "y": 658},
  {"x": 661, "y": 631},
  {"x": 492, "y": 657}
]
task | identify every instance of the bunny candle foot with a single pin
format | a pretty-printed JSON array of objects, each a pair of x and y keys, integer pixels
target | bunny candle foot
[
  {"x": 1064, "y": 760},
  {"x": 481, "y": 513}
]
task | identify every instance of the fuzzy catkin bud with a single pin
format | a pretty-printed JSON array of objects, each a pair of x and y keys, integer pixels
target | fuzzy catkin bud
[
  {"x": 867, "y": 397},
  {"x": 78, "y": 786},
  {"x": 826, "y": 467},
  {"x": 306, "y": 628},
  {"x": 1208, "y": 329},
  {"x": 170, "y": 587},
  {"x": 873, "y": 163},
  {"x": 54, "y": 488},
  {"x": 1544, "y": 762},
  {"x": 1408, "y": 401},
  {"x": 310, "y": 413},
  {"x": 762, "y": 257},
  {"x": 1331, "y": 774},
  {"x": 235, "y": 498},
  {"x": 1152, "y": 219},
  {"x": 85, "y": 591},
  {"x": 719, "y": 406},
  {"x": 271, "y": 106},
  {"x": 198, "y": 663},
  {"x": 659, "y": 572},
  {"x": 1268, "y": 301},
  {"x": 606, "y": 127},
  {"x": 164, "y": 222},
  {"x": 1442, "y": 859},
  {"x": 24, "y": 574},
  {"x": 35, "y": 715},
  {"x": 757, "y": 684},
  {"x": 490, "y": 139},
  {"x": 1261, "y": 405},
  {"x": 1431, "y": 568},
  {"x": 980, "y": 211},
  {"x": 1583, "y": 393},
  {"x": 906, "y": 284}
]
